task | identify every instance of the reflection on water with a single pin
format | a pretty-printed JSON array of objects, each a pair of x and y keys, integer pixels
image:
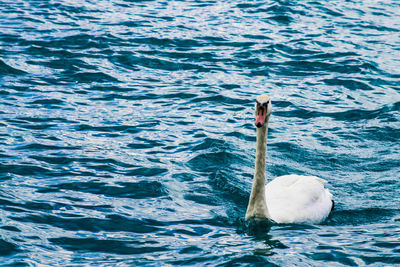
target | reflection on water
[{"x": 127, "y": 131}]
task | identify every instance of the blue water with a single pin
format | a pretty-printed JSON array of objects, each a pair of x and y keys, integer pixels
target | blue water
[{"x": 127, "y": 131}]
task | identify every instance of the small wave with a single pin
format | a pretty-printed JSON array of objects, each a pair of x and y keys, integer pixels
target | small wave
[
  {"x": 361, "y": 217},
  {"x": 8, "y": 70},
  {"x": 139, "y": 190},
  {"x": 47, "y": 102},
  {"x": 111, "y": 128},
  {"x": 212, "y": 161},
  {"x": 89, "y": 77},
  {"x": 347, "y": 115},
  {"x": 37, "y": 146},
  {"x": 24, "y": 169},
  {"x": 132, "y": 62},
  {"x": 8, "y": 248},
  {"x": 119, "y": 247}
]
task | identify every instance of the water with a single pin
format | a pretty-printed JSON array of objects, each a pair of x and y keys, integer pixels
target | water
[{"x": 127, "y": 130}]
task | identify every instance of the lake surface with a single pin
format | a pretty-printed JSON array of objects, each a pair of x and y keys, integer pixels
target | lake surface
[{"x": 127, "y": 136}]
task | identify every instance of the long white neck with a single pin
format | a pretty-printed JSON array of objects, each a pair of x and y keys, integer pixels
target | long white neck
[{"x": 257, "y": 207}]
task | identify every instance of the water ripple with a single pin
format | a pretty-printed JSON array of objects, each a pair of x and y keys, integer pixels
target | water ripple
[{"x": 126, "y": 129}]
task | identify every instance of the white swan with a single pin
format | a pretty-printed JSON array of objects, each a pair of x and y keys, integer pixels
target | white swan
[{"x": 289, "y": 198}]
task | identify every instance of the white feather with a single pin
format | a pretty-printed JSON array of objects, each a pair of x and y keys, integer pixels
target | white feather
[{"x": 298, "y": 199}]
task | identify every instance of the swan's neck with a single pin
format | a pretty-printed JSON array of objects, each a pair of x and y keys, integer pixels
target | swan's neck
[{"x": 257, "y": 207}]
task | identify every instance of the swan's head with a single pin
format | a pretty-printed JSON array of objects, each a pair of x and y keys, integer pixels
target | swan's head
[{"x": 263, "y": 110}]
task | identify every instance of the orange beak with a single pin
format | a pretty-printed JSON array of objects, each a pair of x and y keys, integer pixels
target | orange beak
[{"x": 260, "y": 118}]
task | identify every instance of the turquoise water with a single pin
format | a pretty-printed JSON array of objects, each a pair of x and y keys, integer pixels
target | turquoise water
[{"x": 127, "y": 131}]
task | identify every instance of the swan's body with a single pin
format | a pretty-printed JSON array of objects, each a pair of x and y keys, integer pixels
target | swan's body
[
  {"x": 288, "y": 198},
  {"x": 298, "y": 199}
]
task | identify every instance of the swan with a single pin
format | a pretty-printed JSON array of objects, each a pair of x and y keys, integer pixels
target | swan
[{"x": 289, "y": 198}]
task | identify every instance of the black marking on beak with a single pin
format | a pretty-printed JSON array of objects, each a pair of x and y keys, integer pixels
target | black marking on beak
[
  {"x": 266, "y": 106},
  {"x": 261, "y": 107},
  {"x": 260, "y": 110}
]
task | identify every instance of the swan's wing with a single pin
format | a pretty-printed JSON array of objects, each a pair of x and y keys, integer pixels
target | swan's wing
[{"x": 298, "y": 199}]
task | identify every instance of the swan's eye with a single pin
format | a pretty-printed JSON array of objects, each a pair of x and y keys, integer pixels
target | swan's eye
[{"x": 265, "y": 105}]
